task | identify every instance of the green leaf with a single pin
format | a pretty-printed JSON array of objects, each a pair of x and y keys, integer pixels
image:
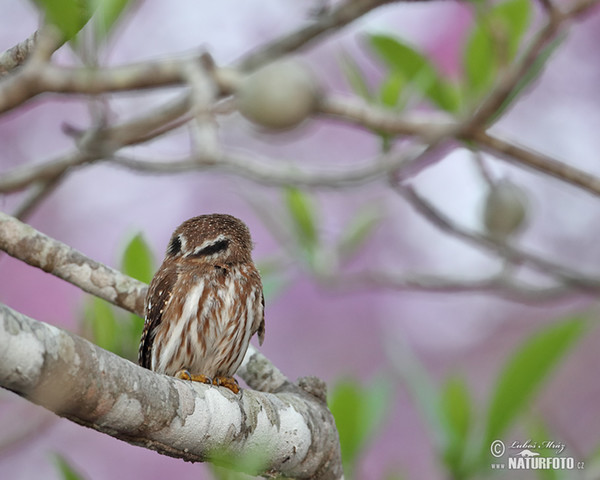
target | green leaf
[
  {"x": 253, "y": 459},
  {"x": 417, "y": 70},
  {"x": 100, "y": 316},
  {"x": 303, "y": 214},
  {"x": 391, "y": 88},
  {"x": 137, "y": 261},
  {"x": 358, "y": 413},
  {"x": 68, "y": 15},
  {"x": 358, "y": 230},
  {"x": 67, "y": 472},
  {"x": 107, "y": 15},
  {"x": 494, "y": 41},
  {"x": 354, "y": 76},
  {"x": 131, "y": 332},
  {"x": 524, "y": 373},
  {"x": 274, "y": 280},
  {"x": 538, "y": 433},
  {"x": 456, "y": 408},
  {"x": 530, "y": 76},
  {"x": 422, "y": 389}
]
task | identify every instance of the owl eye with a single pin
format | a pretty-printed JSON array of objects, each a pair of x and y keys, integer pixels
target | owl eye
[
  {"x": 175, "y": 246},
  {"x": 212, "y": 248}
]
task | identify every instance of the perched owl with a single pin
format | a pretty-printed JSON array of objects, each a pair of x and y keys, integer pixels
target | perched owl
[{"x": 204, "y": 304}]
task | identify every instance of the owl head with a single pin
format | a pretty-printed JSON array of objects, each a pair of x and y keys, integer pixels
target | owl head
[{"x": 213, "y": 238}]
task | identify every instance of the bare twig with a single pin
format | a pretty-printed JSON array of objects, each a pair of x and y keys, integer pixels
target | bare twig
[
  {"x": 375, "y": 118},
  {"x": 282, "y": 172},
  {"x": 566, "y": 275},
  {"x": 21, "y": 177},
  {"x": 499, "y": 285},
  {"x": 537, "y": 161},
  {"x": 139, "y": 129},
  {"x": 36, "y": 195},
  {"x": 30, "y": 246},
  {"x": 483, "y": 168},
  {"x": 358, "y": 112},
  {"x": 36, "y": 78},
  {"x": 17, "y": 55},
  {"x": 334, "y": 20},
  {"x": 39, "y": 46}
]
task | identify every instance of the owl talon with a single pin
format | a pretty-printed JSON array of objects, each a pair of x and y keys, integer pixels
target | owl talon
[
  {"x": 227, "y": 382},
  {"x": 186, "y": 375},
  {"x": 183, "y": 374}
]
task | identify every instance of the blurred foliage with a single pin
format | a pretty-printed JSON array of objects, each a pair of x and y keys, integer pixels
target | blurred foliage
[
  {"x": 70, "y": 16},
  {"x": 525, "y": 370},
  {"x": 494, "y": 42},
  {"x": 359, "y": 412},
  {"x": 461, "y": 432},
  {"x": 65, "y": 469},
  {"x": 303, "y": 213},
  {"x": 109, "y": 327},
  {"x": 254, "y": 460},
  {"x": 408, "y": 65},
  {"x": 358, "y": 230}
]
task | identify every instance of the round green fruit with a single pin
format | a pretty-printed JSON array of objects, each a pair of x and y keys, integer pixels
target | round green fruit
[
  {"x": 505, "y": 209},
  {"x": 278, "y": 96}
]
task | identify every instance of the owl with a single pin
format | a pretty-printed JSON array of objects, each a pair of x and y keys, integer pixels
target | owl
[{"x": 204, "y": 304}]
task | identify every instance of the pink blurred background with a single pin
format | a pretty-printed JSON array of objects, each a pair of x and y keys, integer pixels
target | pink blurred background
[{"x": 311, "y": 330}]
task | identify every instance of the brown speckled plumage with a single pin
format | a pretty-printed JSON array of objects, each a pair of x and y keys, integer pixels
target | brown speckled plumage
[{"x": 205, "y": 301}]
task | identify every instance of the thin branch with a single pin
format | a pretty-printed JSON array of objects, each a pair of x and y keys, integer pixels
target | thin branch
[
  {"x": 22, "y": 241},
  {"x": 100, "y": 143},
  {"x": 499, "y": 285},
  {"x": 376, "y": 118},
  {"x": 332, "y": 21},
  {"x": 511, "y": 79},
  {"x": 22, "y": 177},
  {"x": 428, "y": 211},
  {"x": 36, "y": 195},
  {"x": 483, "y": 169},
  {"x": 356, "y": 111},
  {"x": 38, "y": 47},
  {"x": 282, "y": 172},
  {"x": 521, "y": 156},
  {"x": 291, "y": 432},
  {"x": 36, "y": 78},
  {"x": 17, "y": 55}
]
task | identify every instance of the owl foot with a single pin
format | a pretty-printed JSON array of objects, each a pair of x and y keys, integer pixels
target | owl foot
[
  {"x": 186, "y": 375},
  {"x": 227, "y": 382}
]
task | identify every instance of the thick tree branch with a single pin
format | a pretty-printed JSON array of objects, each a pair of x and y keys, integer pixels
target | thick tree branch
[
  {"x": 21, "y": 241},
  {"x": 125, "y": 394},
  {"x": 38, "y": 250},
  {"x": 291, "y": 432}
]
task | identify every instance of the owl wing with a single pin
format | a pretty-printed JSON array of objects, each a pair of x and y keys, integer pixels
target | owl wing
[
  {"x": 158, "y": 297},
  {"x": 258, "y": 324},
  {"x": 261, "y": 326}
]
